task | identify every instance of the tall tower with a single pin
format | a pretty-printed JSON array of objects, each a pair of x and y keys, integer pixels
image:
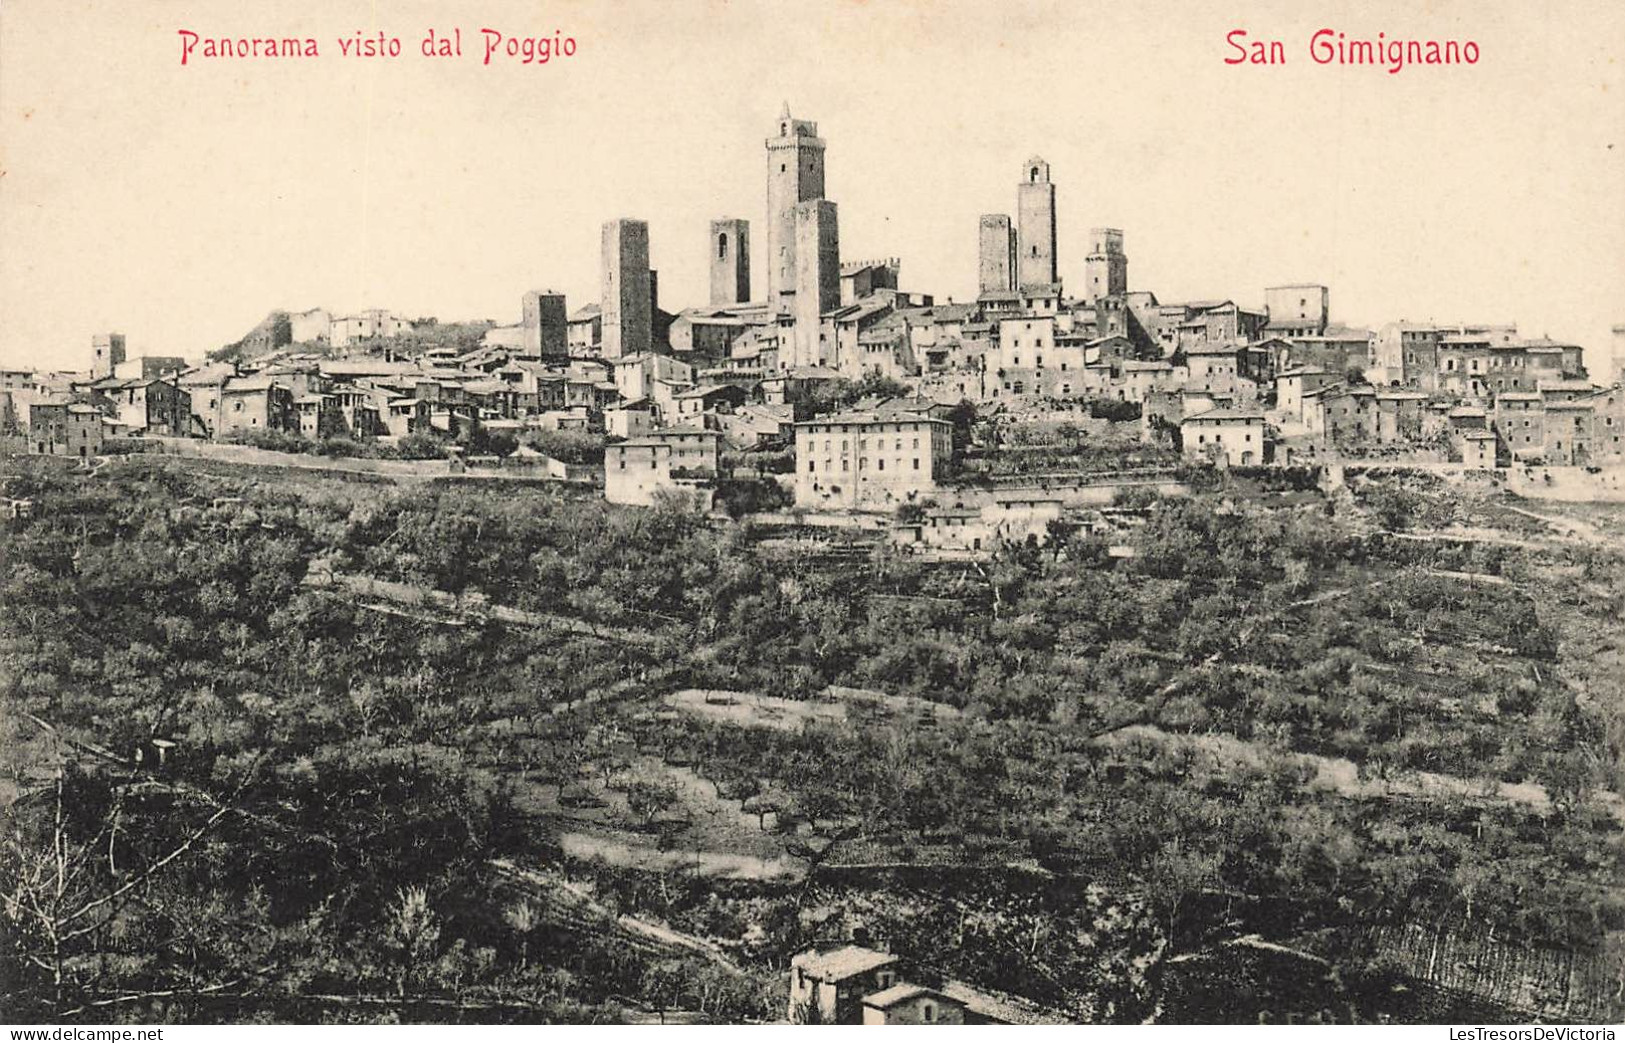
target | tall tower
[
  {"x": 1106, "y": 267},
  {"x": 545, "y": 323},
  {"x": 1035, "y": 223},
  {"x": 817, "y": 284},
  {"x": 730, "y": 261},
  {"x": 996, "y": 254},
  {"x": 627, "y": 299},
  {"x": 795, "y": 174},
  {"x": 106, "y": 352}
]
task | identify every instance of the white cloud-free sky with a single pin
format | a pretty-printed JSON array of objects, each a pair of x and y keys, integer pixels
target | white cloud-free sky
[{"x": 180, "y": 204}]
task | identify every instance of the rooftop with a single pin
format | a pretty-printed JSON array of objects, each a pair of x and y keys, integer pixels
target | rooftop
[
  {"x": 900, "y": 992},
  {"x": 1222, "y": 415}
]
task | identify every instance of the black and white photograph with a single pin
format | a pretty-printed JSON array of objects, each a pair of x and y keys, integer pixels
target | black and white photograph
[{"x": 683, "y": 512}]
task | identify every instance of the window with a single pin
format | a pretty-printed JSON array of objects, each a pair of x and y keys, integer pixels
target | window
[
  {"x": 916, "y": 463},
  {"x": 812, "y": 465},
  {"x": 722, "y": 245},
  {"x": 928, "y": 1011}
]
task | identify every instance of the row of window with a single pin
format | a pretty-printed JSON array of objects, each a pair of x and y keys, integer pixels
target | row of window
[{"x": 863, "y": 461}]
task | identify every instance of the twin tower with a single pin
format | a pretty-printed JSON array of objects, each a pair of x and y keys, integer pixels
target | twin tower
[
  {"x": 1021, "y": 258},
  {"x": 803, "y": 242}
]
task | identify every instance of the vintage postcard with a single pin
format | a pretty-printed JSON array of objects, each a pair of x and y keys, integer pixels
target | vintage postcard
[{"x": 861, "y": 512}]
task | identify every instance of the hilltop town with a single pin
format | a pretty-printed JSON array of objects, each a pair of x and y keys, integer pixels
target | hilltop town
[
  {"x": 819, "y": 654},
  {"x": 845, "y": 386}
]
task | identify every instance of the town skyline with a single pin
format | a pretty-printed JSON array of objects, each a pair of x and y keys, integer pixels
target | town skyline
[{"x": 1534, "y": 245}]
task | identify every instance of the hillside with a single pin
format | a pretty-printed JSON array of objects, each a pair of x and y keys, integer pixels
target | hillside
[{"x": 627, "y": 762}]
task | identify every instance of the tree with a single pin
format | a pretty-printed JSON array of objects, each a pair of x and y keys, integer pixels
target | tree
[
  {"x": 58, "y": 897},
  {"x": 413, "y": 934},
  {"x": 648, "y": 799}
]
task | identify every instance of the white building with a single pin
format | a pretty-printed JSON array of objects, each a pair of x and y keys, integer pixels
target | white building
[
  {"x": 1233, "y": 436},
  {"x": 870, "y": 460}
]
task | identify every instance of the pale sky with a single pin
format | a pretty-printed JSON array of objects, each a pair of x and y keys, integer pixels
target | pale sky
[{"x": 179, "y": 205}]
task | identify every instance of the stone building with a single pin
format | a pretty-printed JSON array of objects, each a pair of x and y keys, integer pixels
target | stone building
[
  {"x": 908, "y": 1004},
  {"x": 148, "y": 407},
  {"x": 585, "y": 331},
  {"x": 372, "y": 324},
  {"x": 148, "y": 367},
  {"x": 106, "y": 352},
  {"x": 827, "y": 988},
  {"x": 874, "y": 459},
  {"x": 1230, "y": 436},
  {"x": 860, "y": 279},
  {"x": 795, "y": 175},
  {"x": 309, "y": 327},
  {"x": 1106, "y": 266},
  {"x": 1298, "y": 310},
  {"x": 995, "y": 254},
  {"x": 1035, "y": 227},
  {"x": 673, "y": 460},
  {"x": 817, "y": 279},
  {"x": 545, "y": 325},
  {"x": 60, "y": 426},
  {"x": 626, "y": 300},
  {"x": 255, "y": 404}
]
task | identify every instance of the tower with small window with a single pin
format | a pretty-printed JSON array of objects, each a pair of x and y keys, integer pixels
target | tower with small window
[
  {"x": 795, "y": 175},
  {"x": 1035, "y": 227},
  {"x": 730, "y": 261},
  {"x": 1106, "y": 267}
]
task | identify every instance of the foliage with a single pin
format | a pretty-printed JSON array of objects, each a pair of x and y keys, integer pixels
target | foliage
[
  {"x": 741, "y": 496},
  {"x": 348, "y": 776},
  {"x": 570, "y": 447}
]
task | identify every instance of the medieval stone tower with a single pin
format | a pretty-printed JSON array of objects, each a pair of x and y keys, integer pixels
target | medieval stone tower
[
  {"x": 1106, "y": 267},
  {"x": 730, "y": 261},
  {"x": 627, "y": 299},
  {"x": 545, "y": 322},
  {"x": 795, "y": 174},
  {"x": 1035, "y": 227},
  {"x": 996, "y": 254},
  {"x": 106, "y": 352},
  {"x": 817, "y": 283}
]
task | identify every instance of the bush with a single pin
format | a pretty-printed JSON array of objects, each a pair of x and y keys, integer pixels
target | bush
[
  {"x": 421, "y": 445},
  {"x": 571, "y": 447},
  {"x": 124, "y": 446},
  {"x": 275, "y": 441},
  {"x": 341, "y": 447},
  {"x": 742, "y": 496},
  {"x": 1113, "y": 410}
]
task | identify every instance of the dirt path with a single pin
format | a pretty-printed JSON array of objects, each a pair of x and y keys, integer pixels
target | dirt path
[
  {"x": 725, "y": 865},
  {"x": 413, "y": 596},
  {"x": 1567, "y": 526},
  {"x": 1342, "y": 776},
  {"x": 645, "y": 928}
]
